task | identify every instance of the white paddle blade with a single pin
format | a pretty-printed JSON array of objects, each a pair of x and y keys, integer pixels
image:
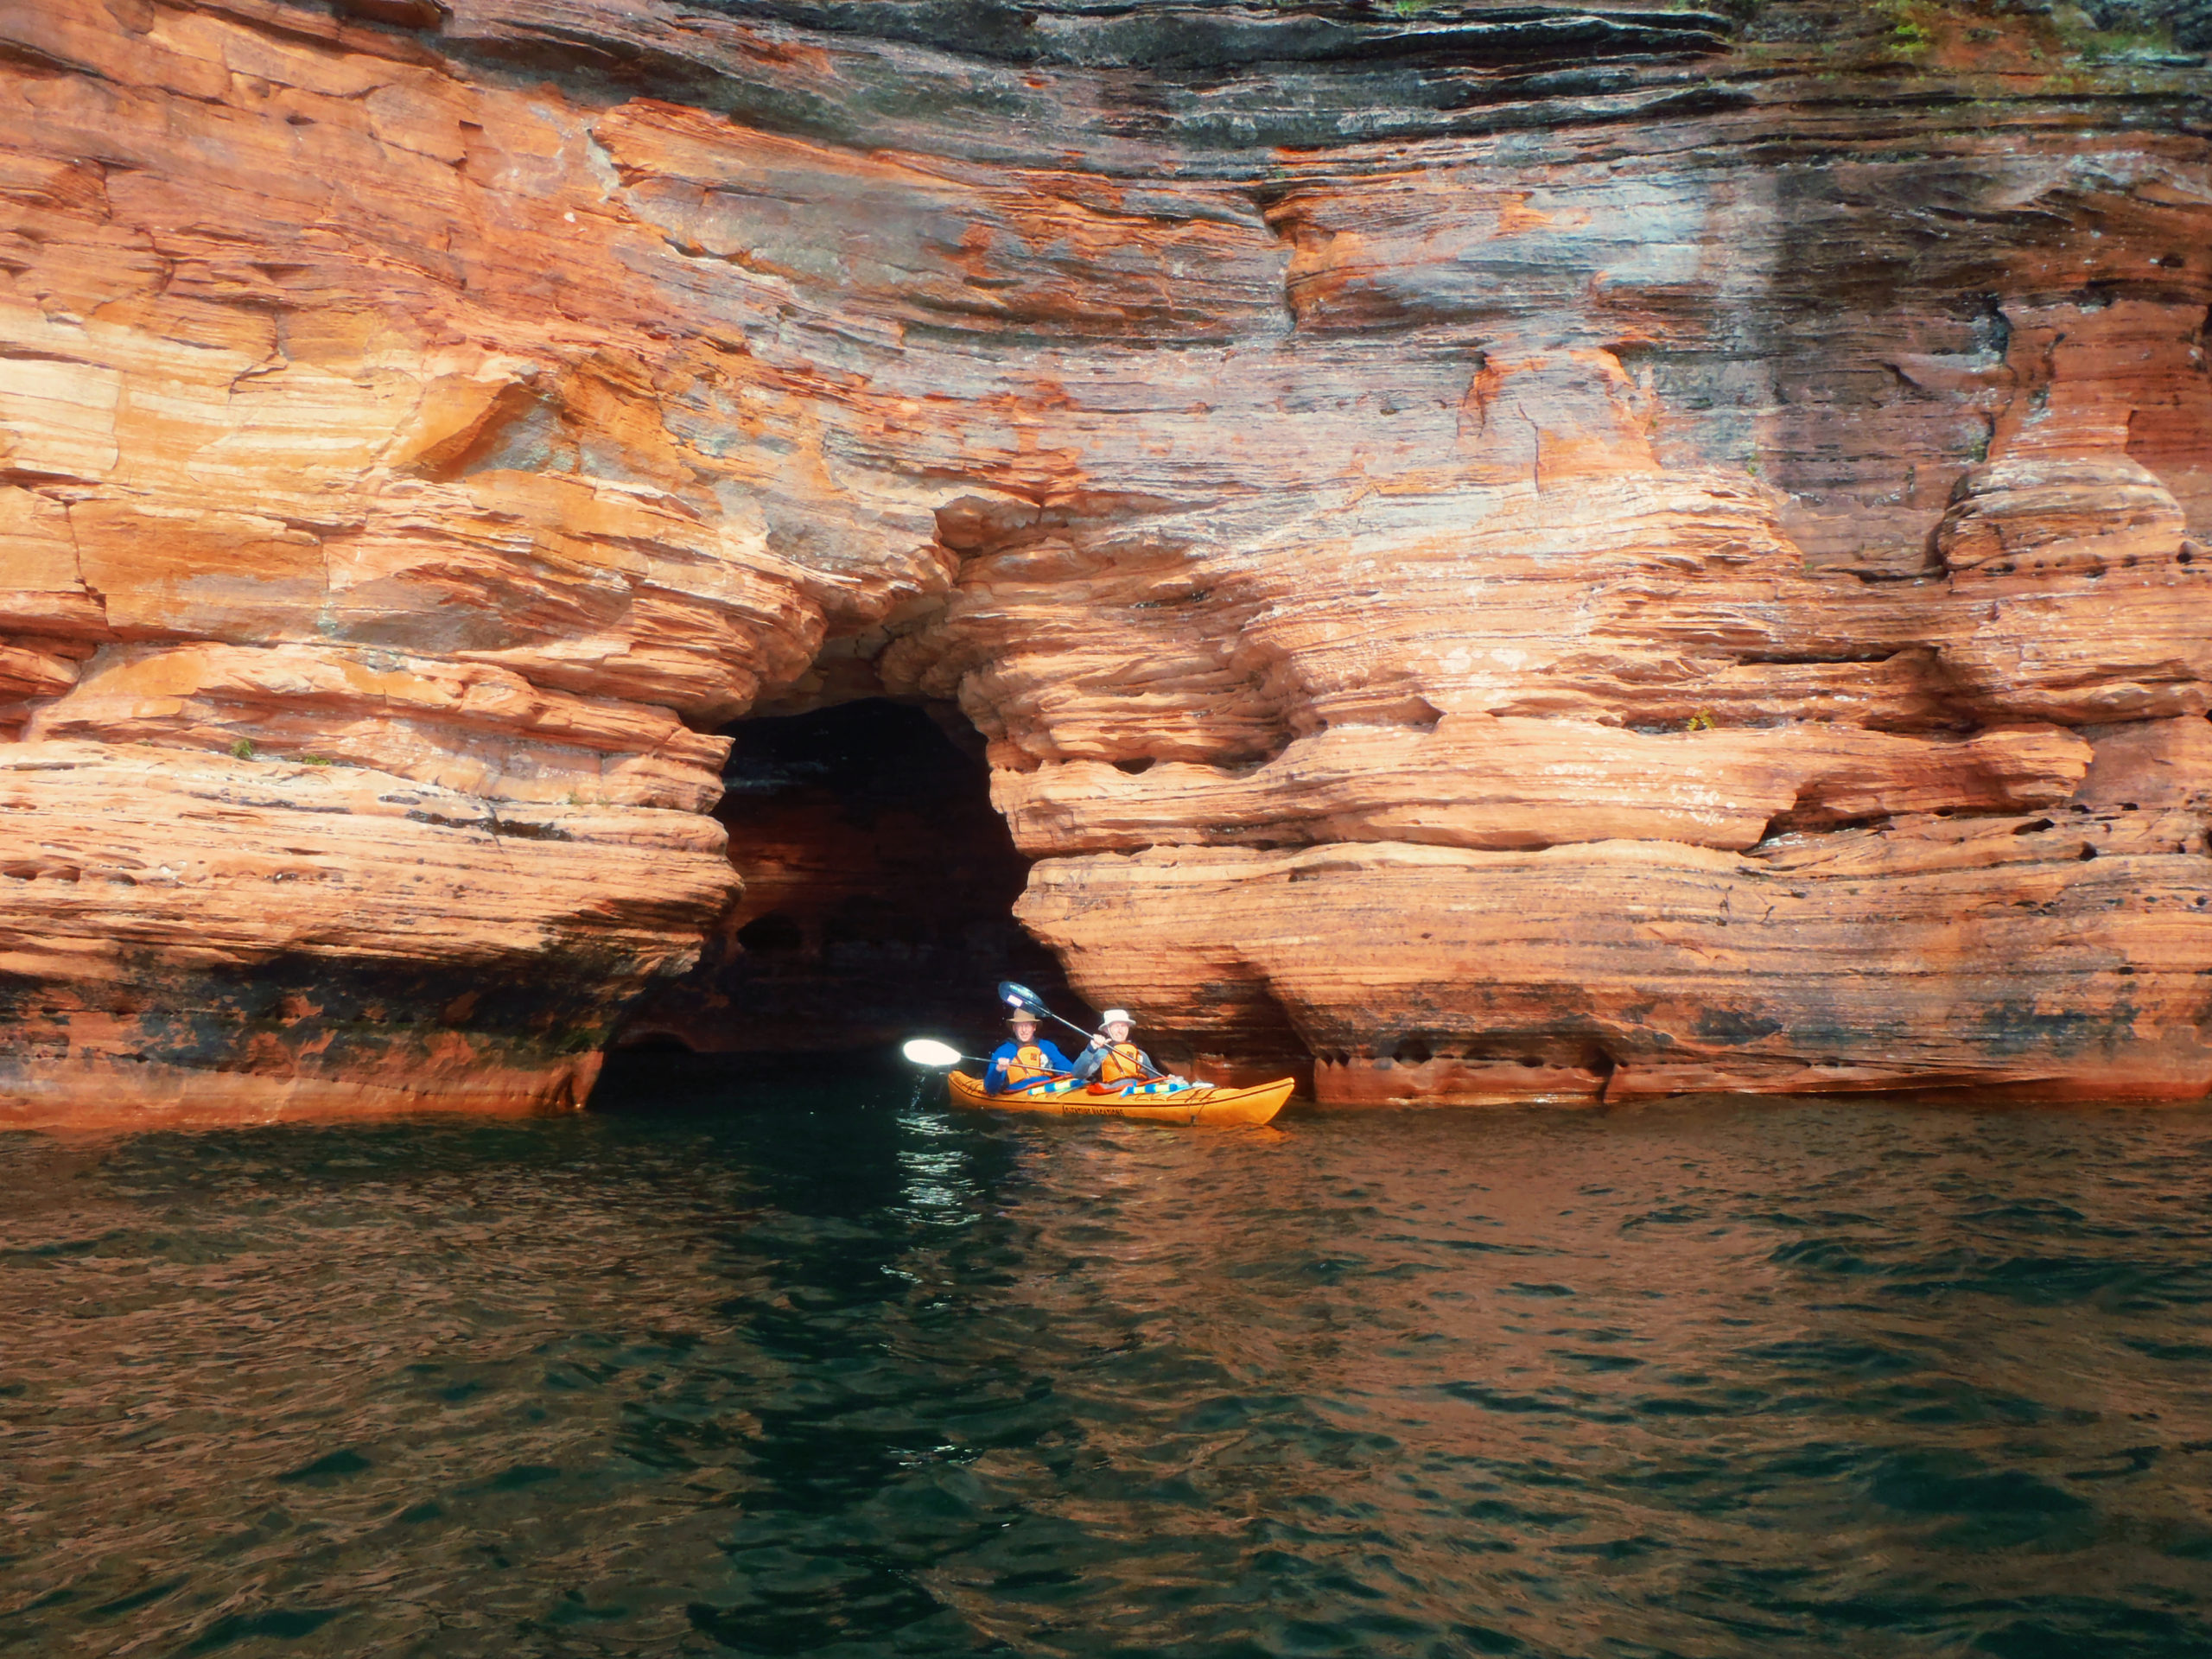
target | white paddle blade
[{"x": 927, "y": 1051}]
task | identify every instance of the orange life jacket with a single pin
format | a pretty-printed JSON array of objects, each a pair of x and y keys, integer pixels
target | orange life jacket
[
  {"x": 1027, "y": 1065},
  {"x": 1121, "y": 1065}
]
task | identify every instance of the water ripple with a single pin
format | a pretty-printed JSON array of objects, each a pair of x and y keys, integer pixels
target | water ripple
[{"x": 836, "y": 1372}]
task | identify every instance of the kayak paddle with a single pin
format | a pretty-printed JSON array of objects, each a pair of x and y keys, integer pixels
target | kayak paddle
[{"x": 927, "y": 1051}]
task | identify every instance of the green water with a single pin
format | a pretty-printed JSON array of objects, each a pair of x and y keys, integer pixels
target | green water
[{"x": 838, "y": 1371}]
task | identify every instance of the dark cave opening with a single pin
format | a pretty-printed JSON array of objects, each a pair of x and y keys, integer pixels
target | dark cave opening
[{"x": 880, "y": 886}]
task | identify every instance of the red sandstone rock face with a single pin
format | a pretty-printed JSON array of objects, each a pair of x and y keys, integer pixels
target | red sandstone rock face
[
  {"x": 349, "y": 940},
  {"x": 1691, "y": 559}
]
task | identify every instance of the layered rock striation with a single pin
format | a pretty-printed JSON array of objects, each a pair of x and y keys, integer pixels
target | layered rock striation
[{"x": 1500, "y": 552}]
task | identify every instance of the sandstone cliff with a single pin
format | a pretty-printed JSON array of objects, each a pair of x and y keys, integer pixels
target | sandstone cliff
[{"x": 1501, "y": 551}]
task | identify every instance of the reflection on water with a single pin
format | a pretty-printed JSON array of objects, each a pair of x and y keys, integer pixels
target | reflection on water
[{"x": 841, "y": 1373}]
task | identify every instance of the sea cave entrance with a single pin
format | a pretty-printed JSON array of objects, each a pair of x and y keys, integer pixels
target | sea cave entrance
[{"x": 880, "y": 886}]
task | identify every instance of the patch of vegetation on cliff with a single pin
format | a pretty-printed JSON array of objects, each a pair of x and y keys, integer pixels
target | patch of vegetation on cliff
[
  {"x": 1989, "y": 56},
  {"x": 1981, "y": 34}
]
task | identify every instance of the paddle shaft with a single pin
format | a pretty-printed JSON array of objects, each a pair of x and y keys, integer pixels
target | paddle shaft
[
  {"x": 1030, "y": 1005},
  {"x": 984, "y": 1060},
  {"x": 1087, "y": 1036},
  {"x": 1037, "y": 1008}
]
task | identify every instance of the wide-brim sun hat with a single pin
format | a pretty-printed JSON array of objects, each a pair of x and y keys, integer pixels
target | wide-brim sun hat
[
  {"x": 1116, "y": 1017},
  {"x": 1022, "y": 1017}
]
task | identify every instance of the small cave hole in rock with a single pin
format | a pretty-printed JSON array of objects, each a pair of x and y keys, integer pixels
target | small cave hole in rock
[
  {"x": 880, "y": 886},
  {"x": 765, "y": 935}
]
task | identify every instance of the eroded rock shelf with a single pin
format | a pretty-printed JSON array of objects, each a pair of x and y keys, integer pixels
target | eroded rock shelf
[{"x": 1499, "y": 552}]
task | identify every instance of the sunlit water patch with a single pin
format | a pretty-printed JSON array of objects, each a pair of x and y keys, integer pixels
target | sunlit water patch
[{"x": 839, "y": 1371}]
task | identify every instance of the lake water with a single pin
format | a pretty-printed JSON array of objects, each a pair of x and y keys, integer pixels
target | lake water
[{"x": 833, "y": 1370}]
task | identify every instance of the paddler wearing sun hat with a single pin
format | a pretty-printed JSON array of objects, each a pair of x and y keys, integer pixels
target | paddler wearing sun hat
[
  {"x": 1026, "y": 1063},
  {"x": 1119, "y": 1064}
]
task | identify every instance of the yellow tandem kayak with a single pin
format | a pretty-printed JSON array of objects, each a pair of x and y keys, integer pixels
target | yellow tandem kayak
[{"x": 1202, "y": 1106}]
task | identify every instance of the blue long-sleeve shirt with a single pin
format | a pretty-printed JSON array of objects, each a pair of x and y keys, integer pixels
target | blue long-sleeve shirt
[{"x": 995, "y": 1080}]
